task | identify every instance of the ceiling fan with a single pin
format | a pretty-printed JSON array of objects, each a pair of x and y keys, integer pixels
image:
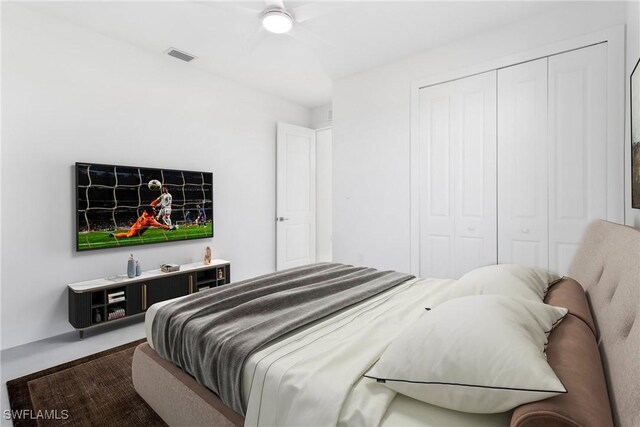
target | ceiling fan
[{"x": 275, "y": 18}]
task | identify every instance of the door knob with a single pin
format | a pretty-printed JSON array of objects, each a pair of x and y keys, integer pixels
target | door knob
[
  {"x": 281, "y": 218},
  {"x": 525, "y": 230},
  {"x": 471, "y": 228}
]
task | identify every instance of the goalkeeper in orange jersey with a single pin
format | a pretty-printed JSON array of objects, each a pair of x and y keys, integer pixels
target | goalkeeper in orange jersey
[{"x": 144, "y": 222}]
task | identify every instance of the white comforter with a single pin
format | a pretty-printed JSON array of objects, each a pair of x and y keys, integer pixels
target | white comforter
[{"x": 314, "y": 377}]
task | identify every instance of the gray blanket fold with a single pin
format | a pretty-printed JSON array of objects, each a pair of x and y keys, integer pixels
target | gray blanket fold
[{"x": 211, "y": 334}]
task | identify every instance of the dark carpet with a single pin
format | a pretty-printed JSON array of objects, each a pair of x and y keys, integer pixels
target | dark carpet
[{"x": 93, "y": 391}]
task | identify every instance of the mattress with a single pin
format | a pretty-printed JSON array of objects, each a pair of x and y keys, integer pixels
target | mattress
[{"x": 304, "y": 369}]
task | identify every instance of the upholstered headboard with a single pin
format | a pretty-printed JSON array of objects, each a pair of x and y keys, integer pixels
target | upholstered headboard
[{"x": 607, "y": 265}]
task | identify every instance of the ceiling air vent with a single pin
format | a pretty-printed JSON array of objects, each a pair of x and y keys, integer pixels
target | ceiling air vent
[{"x": 184, "y": 56}]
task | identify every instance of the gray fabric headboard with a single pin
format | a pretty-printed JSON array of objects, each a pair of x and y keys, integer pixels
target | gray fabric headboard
[{"x": 607, "y": 265}]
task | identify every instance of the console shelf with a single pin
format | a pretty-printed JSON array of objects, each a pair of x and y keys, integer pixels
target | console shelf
[{"x": 95, "y": 302}]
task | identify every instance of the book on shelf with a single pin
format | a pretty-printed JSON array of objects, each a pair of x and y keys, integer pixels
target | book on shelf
[
  {"x": 115, "y": 294},
  {"x": 116, "y": 299}
]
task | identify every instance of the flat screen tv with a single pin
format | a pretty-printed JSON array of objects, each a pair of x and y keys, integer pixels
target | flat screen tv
[{"x": 127, "y": 205}]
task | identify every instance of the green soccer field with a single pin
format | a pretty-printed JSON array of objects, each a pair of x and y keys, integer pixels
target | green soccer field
[{"x": 101, "y": 239}]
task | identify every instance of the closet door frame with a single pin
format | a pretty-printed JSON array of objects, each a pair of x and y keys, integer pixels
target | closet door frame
[{"x": 615, "y": 63}]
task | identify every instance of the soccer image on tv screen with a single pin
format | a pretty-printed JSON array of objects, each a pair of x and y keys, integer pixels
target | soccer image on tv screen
[{"x": 124, "y": 205}]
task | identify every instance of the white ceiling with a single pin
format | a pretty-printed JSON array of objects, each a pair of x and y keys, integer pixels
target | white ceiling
[{"x": 344, "y": 39}]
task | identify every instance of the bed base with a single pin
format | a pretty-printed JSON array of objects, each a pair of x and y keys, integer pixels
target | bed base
[{"x": 175, "y": 395}]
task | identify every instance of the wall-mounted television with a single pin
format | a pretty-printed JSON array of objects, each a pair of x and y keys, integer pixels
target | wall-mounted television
[{"x": 128, "y": 205}]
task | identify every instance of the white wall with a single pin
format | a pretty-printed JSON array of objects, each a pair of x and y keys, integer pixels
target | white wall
[
  {"x": 324, "y": 210},
  {"x": 633, "y": 53},
  {"x": 321, "y": 116},
  {"x": 372, "y": 130},
  {"x": 72, "y": 95}
]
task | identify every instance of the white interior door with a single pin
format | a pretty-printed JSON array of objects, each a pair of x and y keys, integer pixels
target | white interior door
[
  {"x": 577, "y": 149},
  {"x": 457, "y": 171},
  {"x": 522, "y": 165},
  {"x": 295, "y": 196}
]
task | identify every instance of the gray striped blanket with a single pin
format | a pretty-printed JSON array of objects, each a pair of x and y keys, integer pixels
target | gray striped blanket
[{"x": 211, "y": 334}]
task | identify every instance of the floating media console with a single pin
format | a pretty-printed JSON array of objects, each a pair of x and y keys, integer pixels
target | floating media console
[{"x": 99, "y": 301}]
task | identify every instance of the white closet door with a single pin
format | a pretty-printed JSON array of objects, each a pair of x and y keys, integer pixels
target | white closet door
[
  {"x": 436, "y": 181},
  {"x": 522, "y": 165},
  {"x": 458, "y": 176},
  {"x": 475, "y": 172},
  {"x": 577, "y": 149}
]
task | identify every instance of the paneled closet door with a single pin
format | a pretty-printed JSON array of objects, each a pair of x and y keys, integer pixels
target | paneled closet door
[
  {"x": 577, "y": 149},
  {"x": 475, "y": 172},
  {"x": 522, "y": 165},
  {"x": 458, "y": 176},
  {"x": 436, "y": 181}
]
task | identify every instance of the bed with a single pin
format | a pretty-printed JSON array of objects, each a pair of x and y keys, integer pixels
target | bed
[{"x": 594, "y": 351}]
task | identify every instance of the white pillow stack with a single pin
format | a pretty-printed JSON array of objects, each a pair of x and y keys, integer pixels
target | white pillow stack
[
  {"x": 481, "y": 354},
  {"x": 481, "y": 349},
  {"x": 503, "y": 279}
]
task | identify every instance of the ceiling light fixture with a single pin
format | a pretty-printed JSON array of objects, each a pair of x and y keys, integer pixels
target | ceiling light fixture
[{"x": 277, "y": 21}]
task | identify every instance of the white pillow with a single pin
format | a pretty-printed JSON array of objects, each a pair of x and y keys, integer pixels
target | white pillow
[
  {"x": 503, "y": 279},
  {"x": 481, "y": 354}
]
